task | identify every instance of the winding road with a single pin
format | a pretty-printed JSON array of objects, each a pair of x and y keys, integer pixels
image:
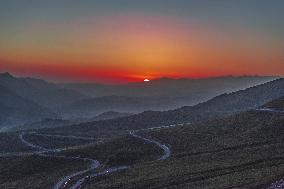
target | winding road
[
  {"x": 167, "y": 151},
  {"x": 36, "y": 147},
  {"x": 66, "y": 136},
  {"x": 276, "y": 185},
  {"x": 94, "y": 164},
  {"x": 63, "y": 183},
  {"x": 269, "y": 110},
  {"x": 79, "y": 183},
  {"x": 87, "y": 174},
  {"x": 167, "y": 154}
]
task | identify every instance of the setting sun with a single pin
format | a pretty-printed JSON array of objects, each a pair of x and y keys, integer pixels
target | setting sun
[{"x": 147, "y": 94}]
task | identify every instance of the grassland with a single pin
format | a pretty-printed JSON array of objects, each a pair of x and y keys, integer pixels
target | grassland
[
  {"x": 11, "y": 143},
  {"x": 276, "y": 104},
  {"x": 242, "y": 151},
  {"x": 34, "y": 172},
  {"x": 126, "y": 150},
  {"x": 245, "y": 150},
  {"x": 54, "y": 142}
]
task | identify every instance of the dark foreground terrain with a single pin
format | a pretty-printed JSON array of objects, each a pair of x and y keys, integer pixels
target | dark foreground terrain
[{"x": 244, "y": 150}]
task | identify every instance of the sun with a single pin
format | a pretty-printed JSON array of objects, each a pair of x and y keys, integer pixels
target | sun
[{"x": 146, "y": 80}]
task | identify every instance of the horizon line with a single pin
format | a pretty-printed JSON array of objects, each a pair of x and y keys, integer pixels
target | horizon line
[{"x": 129, "y": 82}]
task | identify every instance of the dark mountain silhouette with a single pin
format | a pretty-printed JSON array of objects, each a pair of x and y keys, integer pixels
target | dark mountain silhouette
[
  {"x": 159, "y": 95},
  {"x": 277, "y": 104},
  {"x": 44, "y": 123},
  {"x": 242, "y": 147},
  {"x": 39, "y": 91},
  {"x": 109, "y": 115},
  {"x": 220, "y": 106},
  {"x": 197, "y": 89},
  {"x": 16, "y": 110},
  {"x": 94, "y": 106},
  {"x": 73, "y": 102}
]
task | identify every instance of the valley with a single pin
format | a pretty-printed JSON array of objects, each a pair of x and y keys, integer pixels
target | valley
[
  {"x": 234, "y": 145},
  {"x": 141, "y": 94}
]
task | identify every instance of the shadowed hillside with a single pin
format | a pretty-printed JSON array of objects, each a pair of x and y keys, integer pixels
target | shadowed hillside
[
  {"x": 220, "y": 106},
  {"x": 15, "y": 110},
  {"x": 240, "y": 151},
  {"x": 44, "y": 100},
  {"x": 277, "y": 104},
  {"x": 160, "y": 94}
]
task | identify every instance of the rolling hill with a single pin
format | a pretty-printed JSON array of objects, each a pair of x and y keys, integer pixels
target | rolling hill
[
  {"x": 109, "y": 115},
  {"x": 74, "y": 102},
  {"x": 220, "y": 106},
  {"x": 15, "y": 110},
  {"x": 160, "y": 94},
  {"x": 197, "y": 89},
  {"x": 39, "y": 91},
  {"x": 244, "y": 150},
  {"x": 94, "y": 106},
  {"x": 277, "y": 104},
  {"x": 240, "y": 151}
]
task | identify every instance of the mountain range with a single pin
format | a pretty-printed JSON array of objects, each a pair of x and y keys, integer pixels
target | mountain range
[
  {"x": 28, "y": 100},
  {"x": 233, "y": 140},
  {"x": 218, "y": 107}
]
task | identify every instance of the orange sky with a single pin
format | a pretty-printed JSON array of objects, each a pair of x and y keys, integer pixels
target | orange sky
[{"x": 130, "y": 48}]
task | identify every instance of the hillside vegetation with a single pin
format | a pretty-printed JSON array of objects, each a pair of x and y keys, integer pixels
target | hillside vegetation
[
  {"x": 277, "y": 104},
  {"x": 218, "y": 107},
  {"x": 241, "y": 151},
  {"x": 26, "y": 101},
  {"x": 34, "y": 172}
]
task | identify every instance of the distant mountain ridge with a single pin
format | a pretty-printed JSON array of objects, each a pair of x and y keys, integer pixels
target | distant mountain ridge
[
  {"x": 109, "y": 115},
  {"x": 35, "y": 99},
  {"x": 16, "y": 110},
  {"x": 220, "y": 106},
  {"x": 44, "y": 123},
  {"x": 277, "y": 104},
  {"x": 93, "y": 106},
  {"x": 27, "y": 100},
  {"x": 39, "y": 91},
  {"x": 158, "y": 95},
  {"x": 167, "y": 87}
]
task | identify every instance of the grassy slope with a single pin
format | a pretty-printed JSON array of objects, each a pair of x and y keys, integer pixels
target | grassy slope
[
  {"x": 126, "y": 150},
  {"x": 51, "y": 142},
  {"x": 242, "y": 151},
  {"x": 10, "y": 143},
  {"x": 276, "y": 104},
  {"x": 34, "y": 172},
  {"x": 220, "y": 106}
]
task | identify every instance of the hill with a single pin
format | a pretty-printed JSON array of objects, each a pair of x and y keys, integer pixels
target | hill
[
  {"x": 160, "y": 94},
  {"x": 109, "y": 115},
  {"x": 201, "y": 89},
  {"x": 16, "y": 110},
  {"x": 220, "y": 106},
  {"x": 240, "y": 151},
  {"x": 83, "y": 102},
  {"x": 39, "y": 91},
  {"x": 277, "y": 104},
  {"x": 27, "y": 100},
  {"x": 244, "y": 150},
  {"x": 94, "y": 106},
  {"x": 44, "y": 123}
]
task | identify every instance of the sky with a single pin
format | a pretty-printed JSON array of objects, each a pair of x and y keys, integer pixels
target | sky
[{"x": 117, "y": 41}]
